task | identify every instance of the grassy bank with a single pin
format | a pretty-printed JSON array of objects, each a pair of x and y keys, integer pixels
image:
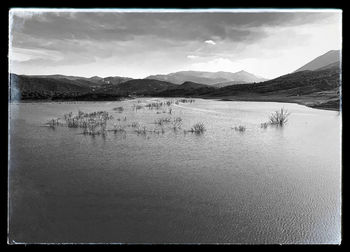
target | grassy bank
[{"x": 313, "y": 101}]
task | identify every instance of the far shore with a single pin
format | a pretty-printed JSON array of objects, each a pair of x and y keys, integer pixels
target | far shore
[{"x": 312, "y": 102}]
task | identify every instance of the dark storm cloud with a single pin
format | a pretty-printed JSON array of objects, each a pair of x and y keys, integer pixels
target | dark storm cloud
[
  {"x": 172, "y": 26},
  {"x": 142, "y": 43}
]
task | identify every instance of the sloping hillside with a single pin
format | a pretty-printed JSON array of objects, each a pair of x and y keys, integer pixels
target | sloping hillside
[
  {"x": 138, "y": 87},
  {"x": 322, "y": 61},
  {"x": 229, "y": 83},
  {"x": 187, "y": 89},
  {"x": 312, "y": 88},
  {"x": 76, "y": 80},
  {"x": 335, "y": 64},
  {"x": 116, "y": 80},
  {"x": 34, "y": 87}
]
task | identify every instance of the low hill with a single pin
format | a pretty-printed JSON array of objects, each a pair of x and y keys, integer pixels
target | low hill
[
  {"x": 34, "y": 87},
  {"x": 188, "y": 88},
  {"x": 116, "y": 80},
  {"x": 80, "y": 81},
  {"x": 229, "y": 83},
  {"x": 137, "y": 87},
  {"x": 191, "y": 85}
]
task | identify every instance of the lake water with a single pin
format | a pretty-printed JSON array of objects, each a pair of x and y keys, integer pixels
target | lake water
[{"x": 261, "y": 186}]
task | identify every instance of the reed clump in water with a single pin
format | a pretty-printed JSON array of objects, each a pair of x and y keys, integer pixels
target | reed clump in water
[
  {"x": 137, "y": 107},
  {"x": 198, "y": 128},
  {"x": 141, "y": 130},
  {"x": 240, "y": 128},
  {"x": 161, "y": 121},
  {"x": 279, "y": 118},
  {"x": 118, "y": 109},
  {"x": 177, "y": 123},
  {"x": 94, "y": 123},
  {"x": 184, "y": 101},
  {"x": 264, "y": 125},
  {"x": 118, "y": 128},
  {"x": 52, "y": 123},
  {"x": 135, "y": 124}
]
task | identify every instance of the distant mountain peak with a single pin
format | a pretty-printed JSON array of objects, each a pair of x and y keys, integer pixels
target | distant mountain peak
[{"x": 208, "y": 78}]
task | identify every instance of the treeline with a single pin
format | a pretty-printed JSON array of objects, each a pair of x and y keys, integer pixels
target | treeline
[{"x": 44, "y": 95}]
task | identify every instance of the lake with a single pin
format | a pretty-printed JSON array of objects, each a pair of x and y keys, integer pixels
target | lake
[{"x": 261, "y": 186}]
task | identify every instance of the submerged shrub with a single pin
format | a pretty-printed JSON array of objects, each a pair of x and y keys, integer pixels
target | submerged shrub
[
  {"x": 279, "y": 118},
  {"x": 198, "y": 128},
  {"x": 119, "y": 109},
  {"x": 240, "y": 128},
  {"x": 135, "y": 124},
  {"x": 54, "y": 122},
  {"x": 161, "y": 121},
  {"x": 137, "y": 107},
  {"x": 118, "y": 128},
  {"x": 184, "y": 101},
  {"x": 177, "y": 123},
  {"x": 264, "y": 125},
  {"x": 94, "y": 123},
  {"x": 141, "y": 130}
]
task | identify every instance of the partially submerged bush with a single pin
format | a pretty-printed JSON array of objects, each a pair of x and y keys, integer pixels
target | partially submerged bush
[
  {"x": 141, "y": 130},
  {"x": 94, "y": 123},
  {"x": 177, "y": 123},
  {"x": 161, "y": 121},
  {"x": 119, "y": 109},
  {"x": 118, "y": 128},
  {"x": 198, "y": 128},
  {"x": 264, "y": 125},
  {"x": 240, "y": 128},
  {"x": 137, "y": 107},
  {"x": 184, "y": 101},
  {"x": 135, "y": 124},
  {"x": 279, "y": 118},
  {"x": 54, "y": 122}
]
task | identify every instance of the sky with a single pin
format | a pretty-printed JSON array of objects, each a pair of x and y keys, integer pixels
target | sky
[{"x": 137, "y": 43}]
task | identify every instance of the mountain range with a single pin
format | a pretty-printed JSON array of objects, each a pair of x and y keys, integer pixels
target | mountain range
[
  {"x": 209, "y": 78},
  {"x": 315, "y": 84}
]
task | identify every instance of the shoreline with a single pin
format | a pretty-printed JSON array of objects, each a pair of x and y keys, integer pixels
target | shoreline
[
  {"x": 300, "y": 101},
  {"x": 318, "y": 104}
]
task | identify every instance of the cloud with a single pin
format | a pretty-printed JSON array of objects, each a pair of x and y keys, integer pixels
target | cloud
[
  {"x": 192, "y": 56},
  {"x": 218, "y": 64},
  {"x": 211, "y": 42},
  {"x": 160, "y": 42}
]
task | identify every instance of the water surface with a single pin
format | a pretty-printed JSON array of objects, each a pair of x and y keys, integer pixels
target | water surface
[{"x": 274, "y": 185}]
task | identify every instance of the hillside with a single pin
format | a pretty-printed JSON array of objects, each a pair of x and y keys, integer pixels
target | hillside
[
  {"x": 319, "y": 89},
  {"x": 187, "y": 89},
  {"x": 137, "y": 87},
  {"x": 116, "y": 80},
  {"x": 335, "y": 64},
  {"x": 209, "y": 78},
  {"x": 322, "y": 61},
  {"x": 229, "y": 83},
  {"x": 34, "y": 87}
]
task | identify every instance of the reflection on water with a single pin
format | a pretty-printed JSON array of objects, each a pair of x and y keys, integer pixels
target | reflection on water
[{"x": 263, "y": 185}]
